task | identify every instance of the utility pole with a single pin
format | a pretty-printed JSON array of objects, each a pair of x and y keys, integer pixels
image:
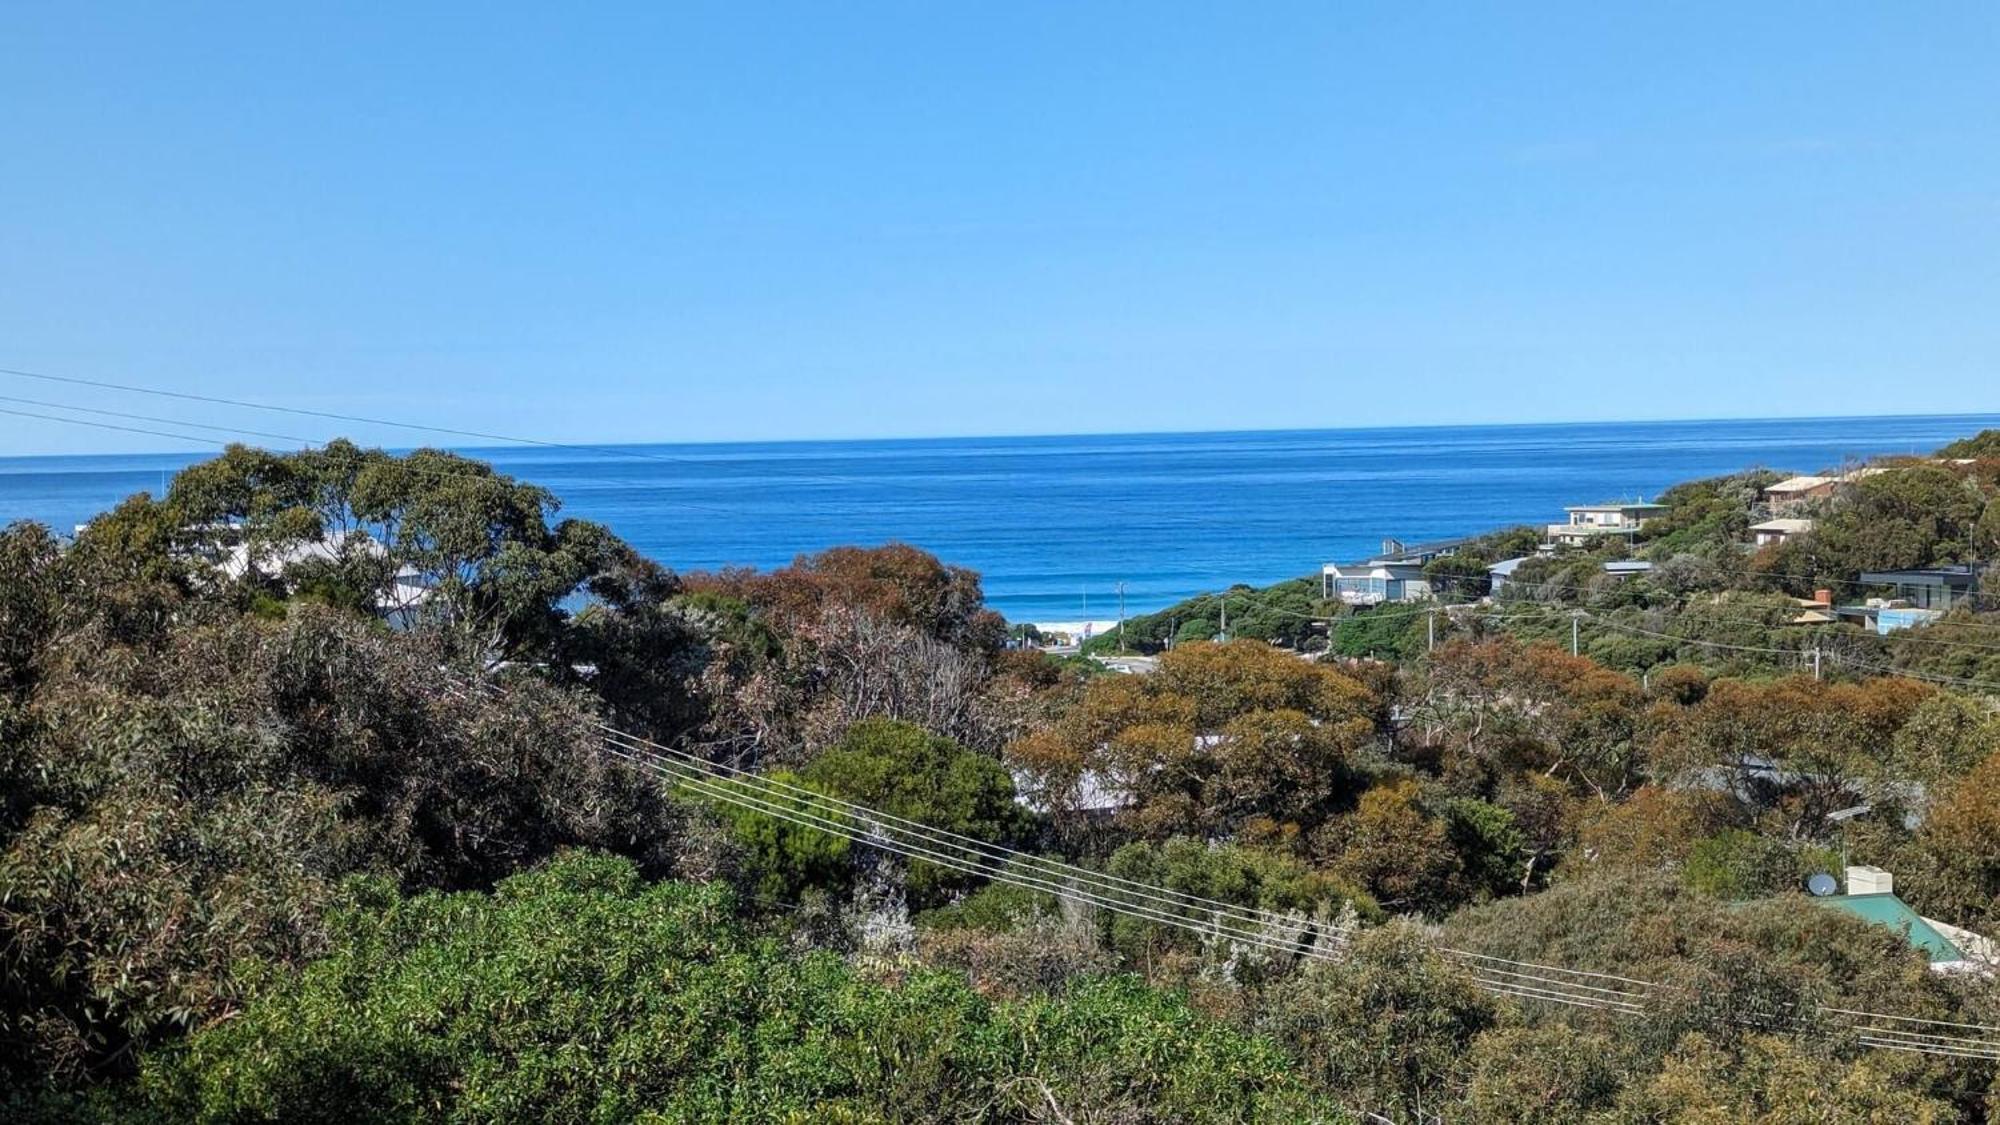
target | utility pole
[
  {"x": 1574, "y": 617},
  {"x": 1430, "y": 630},
  {"x": 1121, "y": 616},
  {"x": 1815, "y": 662},
  {"x": 1224, "y": 602}
]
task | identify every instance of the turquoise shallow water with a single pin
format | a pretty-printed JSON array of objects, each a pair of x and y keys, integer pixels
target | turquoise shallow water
[{"x": 1053, "y": 521}]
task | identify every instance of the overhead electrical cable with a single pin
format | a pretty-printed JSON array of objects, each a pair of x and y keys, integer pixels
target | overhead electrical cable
[
  {"x": 309, "y": 445},
  {"x": 1911, "y": 636},
  {"x": 1041, "y": 504},
  {"x": 1520, "y": 979},
  {"x": 1542, "y": 986},
  {"x": 1252, "y": 927},
  {"x": 986, "y": 850}
]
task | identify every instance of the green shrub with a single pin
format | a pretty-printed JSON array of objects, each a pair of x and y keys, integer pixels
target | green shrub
[
  {"x": 1735, "y": 864},
  {"x": 900, "y": 768},
  {"x": 579, "y": 992},
  {"x": 782, "y": 853}
]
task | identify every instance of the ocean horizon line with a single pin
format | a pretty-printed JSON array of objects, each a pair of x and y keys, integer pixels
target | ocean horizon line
[
  {"x": 1054, "y": 524},
  {"x": 515, "y": 446}
]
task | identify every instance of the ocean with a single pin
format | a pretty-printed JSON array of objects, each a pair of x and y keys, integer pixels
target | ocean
[{"x": 1056, "y": 524}]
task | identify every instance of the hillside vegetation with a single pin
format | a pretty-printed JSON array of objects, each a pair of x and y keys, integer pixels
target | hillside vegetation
[{"x": 271, "y": 849}]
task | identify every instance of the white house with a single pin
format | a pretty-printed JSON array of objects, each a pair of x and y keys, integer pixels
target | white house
[
  {"x": 407, "y": 592},
  {"x": 1778, "y": 530},
  {"x": 1589, "y": 521},
  {"x": 1374, "y": 582}
]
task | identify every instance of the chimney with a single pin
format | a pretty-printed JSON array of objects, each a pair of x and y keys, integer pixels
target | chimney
[
  {"x": 1823, "y": 597},
  {"x": 1870, "y": 881}
]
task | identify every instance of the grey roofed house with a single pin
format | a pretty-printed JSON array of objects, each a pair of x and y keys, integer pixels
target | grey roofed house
[
  {"x": 1503, "y": 571},
  {"x": 1374, "y": 582},
  {"x": 1934, "y": 587},
  {"x": 1626, "y": 568},
  {"x": 1778, "y": 530},
  {"x": 1917, "y": 596},
  {"x": 1395, "y": 550},
  {"x": 1396, "y": 574}
]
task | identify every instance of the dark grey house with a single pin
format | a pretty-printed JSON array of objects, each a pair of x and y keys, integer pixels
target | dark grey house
[{"x": 1935, "y": 587}]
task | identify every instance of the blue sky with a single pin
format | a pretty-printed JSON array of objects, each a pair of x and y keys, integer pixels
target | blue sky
[{"x": 692, "y": 222}]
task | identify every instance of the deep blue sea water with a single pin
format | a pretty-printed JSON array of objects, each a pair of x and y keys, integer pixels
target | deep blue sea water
[{"x": 1054, "y": 523}]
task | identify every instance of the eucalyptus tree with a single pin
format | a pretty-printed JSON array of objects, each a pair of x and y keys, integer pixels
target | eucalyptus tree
[{"x": 478, "y": 554}]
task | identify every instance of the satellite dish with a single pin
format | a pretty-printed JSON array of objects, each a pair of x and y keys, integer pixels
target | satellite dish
[{"x": 1822, "y": 885}]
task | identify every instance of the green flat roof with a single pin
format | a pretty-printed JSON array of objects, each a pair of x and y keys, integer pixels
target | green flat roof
[{"x": 1888, "y": 910}]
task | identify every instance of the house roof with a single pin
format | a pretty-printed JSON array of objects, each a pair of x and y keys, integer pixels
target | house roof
[
  {"x": 1627, "y": 566},
  {"x": 1887, "y": 910},
  {"x": 279, "y": 557},
  {"x": 1788, "y": 526},
  {"x": 1395, "y": 550},
  {"x": 1505, "y": 567},
  {"x": 1636, "y": 505},
  {"x": 1800, "y": 484},
  {"x": 1958, "y": 574},
  {"x": 1374, "y": 568}
]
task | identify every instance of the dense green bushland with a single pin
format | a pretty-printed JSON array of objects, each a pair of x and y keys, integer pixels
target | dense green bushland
[
  {"x": 265, "y": 856},
  {"x": 582, "y": 992}
]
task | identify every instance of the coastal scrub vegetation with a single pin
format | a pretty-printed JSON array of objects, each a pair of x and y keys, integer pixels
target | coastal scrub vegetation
[{"x": 308, "y": 812}]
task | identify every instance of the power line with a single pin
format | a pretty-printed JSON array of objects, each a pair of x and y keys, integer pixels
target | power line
[
  {"x": 1799, "y": 654},
  {"x": 485, "y": 473},
  {"x": 361, "y": 419},
  {"x": 1906, "y": 674},
  {"x": 490, "y": 476},
  {"x": 1643, "y": 632},
  {"x": 693, "y": 779},
  {"x": 1912, "y": 636},
  {"x": 946, "y": 836},
  {"x": 916, "y": 841},
  {"x": 1815, "y": 580},
  {"x": 1510, "y": 982},
  {"x": 151, "y": 418},
  {"x": 1524, "y": 980},
  {"x": 624, "y": 452},
  {"x": 703, "y": 783},
  {"x": 110, "y": 426},
  {"x": 705, "y": 779}
]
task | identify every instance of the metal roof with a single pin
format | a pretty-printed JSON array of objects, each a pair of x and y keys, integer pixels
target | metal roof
[
  {"x": 1958, "y": 574},
  {"x": 1887, "y": 910},
  {"x": 1614, "y": 506},
  {"x": 1800, "y": 484}
]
